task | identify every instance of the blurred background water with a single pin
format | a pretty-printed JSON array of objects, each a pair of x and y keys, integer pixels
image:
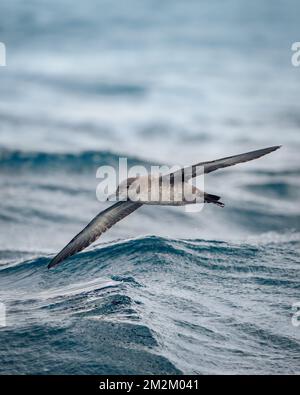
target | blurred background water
[{"x": 164, "y": 291}]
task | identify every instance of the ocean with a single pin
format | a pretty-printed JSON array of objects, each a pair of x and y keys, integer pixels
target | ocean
[{"x": 164, "y": 291}]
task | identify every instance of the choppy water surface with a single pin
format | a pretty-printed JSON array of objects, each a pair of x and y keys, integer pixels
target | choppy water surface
[{"x": 164, "y": 291}]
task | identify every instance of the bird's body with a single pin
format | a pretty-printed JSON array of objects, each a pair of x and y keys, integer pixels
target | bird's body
[
  {"x": 172, "y": 189},
  {"x": 157, "y": 190}
]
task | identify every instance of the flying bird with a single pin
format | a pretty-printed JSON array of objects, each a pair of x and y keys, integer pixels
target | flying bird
[{"x": 135, "y": 192}]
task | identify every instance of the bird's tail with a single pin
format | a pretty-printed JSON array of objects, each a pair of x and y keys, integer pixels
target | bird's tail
[{"x": 208, "y": 198}]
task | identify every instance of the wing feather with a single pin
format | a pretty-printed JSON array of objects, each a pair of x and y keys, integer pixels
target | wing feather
[
  {"x": 208, "y": 167},
  {"x": 103, "y": 221}
]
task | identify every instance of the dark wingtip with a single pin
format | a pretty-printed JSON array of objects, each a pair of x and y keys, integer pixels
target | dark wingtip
[
  {"x": 275, "y": 148},
  {"x": 54, "y": 262},
  {"x": 50, "y": 265}
]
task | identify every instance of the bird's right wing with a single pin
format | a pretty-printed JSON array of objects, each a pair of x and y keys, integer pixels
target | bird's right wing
[
  {"x": 208, "y": 167},
  {"x": 103, "y": 221}
]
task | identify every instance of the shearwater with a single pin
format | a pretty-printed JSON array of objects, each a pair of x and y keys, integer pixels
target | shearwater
[{"x": 141, "y": 190}]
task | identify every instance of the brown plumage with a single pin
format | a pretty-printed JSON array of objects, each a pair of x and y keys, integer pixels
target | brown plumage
[{"x": 107, "y": 218}]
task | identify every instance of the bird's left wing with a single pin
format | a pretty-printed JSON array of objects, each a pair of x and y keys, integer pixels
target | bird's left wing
[{"x": 103, "y": 221}]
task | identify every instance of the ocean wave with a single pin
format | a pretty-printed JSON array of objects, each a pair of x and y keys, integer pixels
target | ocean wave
[
  {"x": 53, "y": 161},
  {"x": 84, "y": 86},
  {"x": 127, "y": 294},
  {"x": 157, "y": 244},
  {"x": 276, "y": 189}
]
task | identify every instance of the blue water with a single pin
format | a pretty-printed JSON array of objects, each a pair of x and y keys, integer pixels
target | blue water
[{"x": 164, "y": 291}]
